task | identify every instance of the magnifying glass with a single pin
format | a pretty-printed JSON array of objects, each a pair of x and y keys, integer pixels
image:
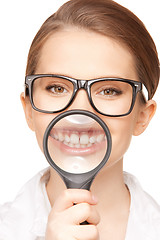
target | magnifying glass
[{"x": 77, "y": 144}]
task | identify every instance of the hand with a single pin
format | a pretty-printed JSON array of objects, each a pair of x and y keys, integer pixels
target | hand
[{"x": 65, "y": 217}]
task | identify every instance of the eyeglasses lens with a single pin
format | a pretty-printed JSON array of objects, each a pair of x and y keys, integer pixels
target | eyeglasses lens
[
  {"x": 51, "y": 93},
  {"x": 112, "y": 97}
]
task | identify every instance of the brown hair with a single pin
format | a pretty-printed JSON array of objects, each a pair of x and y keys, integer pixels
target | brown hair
[{"x": 110, "y": 19}]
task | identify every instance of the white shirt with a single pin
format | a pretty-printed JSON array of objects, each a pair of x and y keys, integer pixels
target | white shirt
[{"x": 26, "y": 217}]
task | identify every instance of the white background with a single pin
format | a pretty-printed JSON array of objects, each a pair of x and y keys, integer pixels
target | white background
[{"x": 20, "y": 156}]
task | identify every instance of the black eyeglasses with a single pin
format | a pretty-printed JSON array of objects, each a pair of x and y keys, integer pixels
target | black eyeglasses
[{"x": 114, "y": 97}]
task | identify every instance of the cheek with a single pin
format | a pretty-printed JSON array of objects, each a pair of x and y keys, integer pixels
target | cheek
[
  {"x": 121, "y": 138},
  {"x": 121, "y": 130},
  {"x": 41, "y": 122}
]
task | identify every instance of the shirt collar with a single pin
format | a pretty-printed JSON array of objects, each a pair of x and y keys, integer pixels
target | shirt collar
[
  {"x": 144, "y": 213},
  {"x": 43, "y": 206}
]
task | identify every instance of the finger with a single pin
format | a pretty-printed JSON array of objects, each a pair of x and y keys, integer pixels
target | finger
[
  {"x": 80, "y": 213},
  {"x": 71, "y": 196},
  {"x": 86, "y": 232}
]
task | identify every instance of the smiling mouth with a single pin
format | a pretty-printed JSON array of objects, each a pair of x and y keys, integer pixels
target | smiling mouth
[
  {"x": 79, "y": 140},
  {"x": 77, "y": 151}
]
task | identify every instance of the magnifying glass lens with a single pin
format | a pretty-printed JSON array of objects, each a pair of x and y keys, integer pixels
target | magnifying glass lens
[{"x": 77, "y": 144}]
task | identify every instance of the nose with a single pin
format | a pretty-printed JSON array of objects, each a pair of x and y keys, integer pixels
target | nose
[{"x": 81, "y": 101}]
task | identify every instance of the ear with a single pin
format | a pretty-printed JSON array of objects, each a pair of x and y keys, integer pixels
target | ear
[
  {"x": 144, "y": 117},
  {"x": 27, "y": 110}
]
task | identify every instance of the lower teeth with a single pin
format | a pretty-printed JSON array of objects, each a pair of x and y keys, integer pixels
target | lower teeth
[{"x": 78, "y": 145}]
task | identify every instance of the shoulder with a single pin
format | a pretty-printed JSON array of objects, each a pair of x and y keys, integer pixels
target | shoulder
[
  {"x": 20, "y": 213},
  {"x": 144, "y": 210}
]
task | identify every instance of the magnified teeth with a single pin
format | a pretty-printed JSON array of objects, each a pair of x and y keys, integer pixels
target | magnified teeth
[
  {"x": 66, "y": 138},
  {"x": 74, "y": 138},
  {"x": 79, "y": 140},
  {"x": 89, "y": 145},
  {"x": 66, "y": 143},
  {"x": 83, "y": 146},
  {"x": 84, "y": 139},
  {"x": 92, "y": 139},
  {"x": 100, "y": 138},
  {"x": 56, "y": 136},
  {"x": 60, "y": 137},
  {"x": 77, "y": 145},
  {"x": 71, "y": 145}
]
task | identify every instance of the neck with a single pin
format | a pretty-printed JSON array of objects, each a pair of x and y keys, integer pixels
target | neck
[
  {"x": 110, "y": 189},
  {"x": 108, "y": 186}
]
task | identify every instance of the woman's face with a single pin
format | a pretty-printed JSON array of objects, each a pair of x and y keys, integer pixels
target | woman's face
[{"x": 87, "y": 55}]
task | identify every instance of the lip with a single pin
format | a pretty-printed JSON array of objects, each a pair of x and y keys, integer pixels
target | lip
[{"x": 78, "y": 151}]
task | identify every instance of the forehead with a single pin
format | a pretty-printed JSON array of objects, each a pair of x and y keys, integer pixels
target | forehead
[{"x": 85, "y": 55}]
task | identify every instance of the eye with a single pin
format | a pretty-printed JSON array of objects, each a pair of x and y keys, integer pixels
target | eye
[
  {"x": 56, "y": 89},
  {"x": 110, "y": 92}
]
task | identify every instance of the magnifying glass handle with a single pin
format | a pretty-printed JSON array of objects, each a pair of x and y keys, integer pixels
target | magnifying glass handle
[{"x": 84, "y": 223}]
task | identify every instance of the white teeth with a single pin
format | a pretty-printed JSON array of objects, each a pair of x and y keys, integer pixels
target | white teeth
[
  {"x": 66, "y": 138},
  {"x": 89, "y": 145},
  {"x": 84, "y": 139},
  {"x": 56, "y": 136},
  {"x": 79, "y": 141},
  {"x": 83, "y": 146},
  {"x": 100, "y": 138},
  {"x": 71, "y": 145},
  {"x": 74, "y": 138},
  {"x": 77, "y": 145},
  {"x": 60, "y": 137},
  {"x": 92, "y": 139}
]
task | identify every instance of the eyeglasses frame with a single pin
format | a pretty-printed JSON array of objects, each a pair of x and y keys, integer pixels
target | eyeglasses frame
[{"x": 82, "y": 84}]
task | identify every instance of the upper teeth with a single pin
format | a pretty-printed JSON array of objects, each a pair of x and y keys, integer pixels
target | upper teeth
[
  {"x": 74, "y": 138},
  {"x": 78, "y": 140}
]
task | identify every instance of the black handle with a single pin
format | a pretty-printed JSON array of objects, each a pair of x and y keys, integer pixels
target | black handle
[{"x": 84, "y": 223}]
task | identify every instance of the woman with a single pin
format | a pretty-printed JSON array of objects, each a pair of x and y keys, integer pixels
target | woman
[{"x": 86, "y": 40}]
